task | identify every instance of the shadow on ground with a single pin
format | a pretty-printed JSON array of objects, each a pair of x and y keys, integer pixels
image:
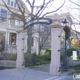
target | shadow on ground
[{"x": 44, "y": 68}]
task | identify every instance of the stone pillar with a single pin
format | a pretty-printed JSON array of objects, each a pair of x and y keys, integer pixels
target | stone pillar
[
  {"x": 55, "y": 45},
  {"x": 20, "y": 52}
]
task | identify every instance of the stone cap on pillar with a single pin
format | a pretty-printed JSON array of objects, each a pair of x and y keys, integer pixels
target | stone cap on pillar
[{"x": 56, "y": 22}]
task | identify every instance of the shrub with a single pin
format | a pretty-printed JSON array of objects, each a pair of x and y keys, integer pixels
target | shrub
[
  {"x": 38, "y": 59},
  {"x": 43, "y": 59},
  {"x": 70, "y": 52},
  {"x": 78, "y": 58},
  {"x": 48, "y": 51},
  {"x": 34, "y": 58},
  {"x": 9, "y": 57}
]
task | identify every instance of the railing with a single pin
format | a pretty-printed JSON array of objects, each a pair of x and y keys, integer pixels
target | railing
[{"x": 11, "y": 49}]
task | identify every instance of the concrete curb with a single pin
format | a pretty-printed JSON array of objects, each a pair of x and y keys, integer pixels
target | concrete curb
[
  {"x": 68, "y": 72},
  {"x": 61, "y": 76}
]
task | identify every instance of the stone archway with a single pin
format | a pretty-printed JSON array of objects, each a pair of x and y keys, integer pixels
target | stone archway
[{"x": 55, "y": 46}]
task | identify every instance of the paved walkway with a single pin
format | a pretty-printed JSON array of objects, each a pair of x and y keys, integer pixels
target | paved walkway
[
  {"x": 23, "y": 74},
  {"x": 33, "y": 73},
  {"x": 44, "y": 68},
  {"x": 29, "y": 74}
]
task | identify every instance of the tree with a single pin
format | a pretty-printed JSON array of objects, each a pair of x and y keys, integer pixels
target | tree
[
  {"x": 75, "y": 40},
  {"x": 44, "y": 32},
  {"x": 43, "y": 36},
  {"x": 34, "y": 13},
  {"x": 76, "y": 22}
]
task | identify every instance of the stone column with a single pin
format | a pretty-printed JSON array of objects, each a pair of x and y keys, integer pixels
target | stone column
[
  {"x": 20, "y": 52},
  {"x": 55, "y": 45}
]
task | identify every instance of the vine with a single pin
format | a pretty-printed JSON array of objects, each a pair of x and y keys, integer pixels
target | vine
[{"x": 67, "y": 32}]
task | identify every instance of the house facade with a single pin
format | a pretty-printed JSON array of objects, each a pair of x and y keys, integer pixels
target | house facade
[{"x": 9, "y": 27}]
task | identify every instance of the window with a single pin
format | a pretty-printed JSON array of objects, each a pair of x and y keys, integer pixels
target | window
[
  {"x": 8, "y": 2},
  {"x": 12, "y": 39},
  {"x": 14, "y": 4},
  {"x": 11, "y": 3},
  {"x": 3, "y": 15},
  {"x": 17, "y": 22}
]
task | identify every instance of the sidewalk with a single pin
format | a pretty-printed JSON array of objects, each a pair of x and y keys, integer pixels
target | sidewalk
[
  {"x": 29, "y": 74},
  {"x": 33, "y": 73},
  {"x": 24, "y": 74}
]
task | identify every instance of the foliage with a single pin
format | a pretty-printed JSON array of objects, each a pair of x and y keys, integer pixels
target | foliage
[
  {"x": 48, "y": 51},
  {"x": 2, "y": 46},
  {"x": 39, "y": 59},
  {"x": 77, "y": 68},
  {"x": 67, "y": 32},
  {"x": 70, "y": 51},
  {"x": 9, "y": 57},
  {"x": 43, "y": 59},
  {"x": 78, "y": 58},
  {"x": 3, "y": 67},
  {"x": 75, "y": 43}
]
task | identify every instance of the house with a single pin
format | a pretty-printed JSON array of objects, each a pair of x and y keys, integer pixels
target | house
[{"x": 10, "y": 25}]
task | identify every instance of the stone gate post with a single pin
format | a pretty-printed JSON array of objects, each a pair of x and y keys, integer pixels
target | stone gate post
[
  {"x": 55, "y": 45},
  {"x": 20, "y": 52}
]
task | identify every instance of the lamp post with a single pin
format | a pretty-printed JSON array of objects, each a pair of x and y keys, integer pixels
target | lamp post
[{"x": 65, "y": 24}]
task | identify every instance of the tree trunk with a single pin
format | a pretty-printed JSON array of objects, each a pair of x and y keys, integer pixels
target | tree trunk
[{"x": 29, "y": 44}]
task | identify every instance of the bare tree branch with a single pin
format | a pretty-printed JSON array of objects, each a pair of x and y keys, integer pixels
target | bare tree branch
[
  {"x": 32, "y": 8},
  {"x": 54, "y": 10},
  {"x": 76, "y": 8},
  {"x": 28, "y": 3},
  {"x": 74, "y": 18},
  {"x": 20, "y": 6},
  {"x": 41, "y": 7},
  {"x": 45, "y": 7},
  {"x": 21, "y": 9},
  {"x": 74, "y": 3}
]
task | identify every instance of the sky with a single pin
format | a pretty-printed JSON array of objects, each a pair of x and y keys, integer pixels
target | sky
[
  {"x": 55, "y": 4},
  {"x": 68, "y": 7}
]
